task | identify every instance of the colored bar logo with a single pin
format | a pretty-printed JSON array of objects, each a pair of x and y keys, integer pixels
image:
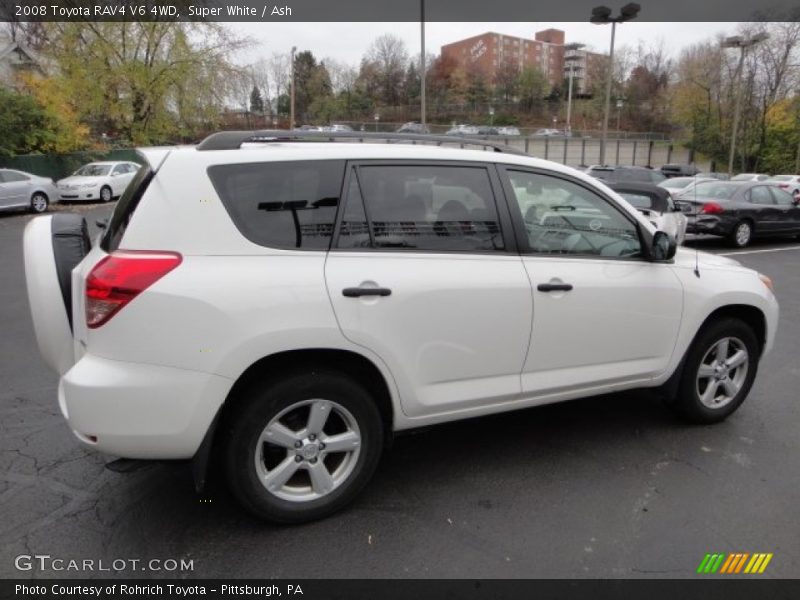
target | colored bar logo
[{"x": 737, "y": 562}]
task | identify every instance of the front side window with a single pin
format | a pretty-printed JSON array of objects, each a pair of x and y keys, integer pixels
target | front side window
[
  {"x": 285, "y": 205},
  {"x": 564, "y": 218},
  {"x": 782, "y": 197},
  {"x": 421, "y": 207}
]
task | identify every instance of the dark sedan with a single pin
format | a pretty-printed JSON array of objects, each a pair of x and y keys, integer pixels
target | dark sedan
[{"x": 740, "y": 211}]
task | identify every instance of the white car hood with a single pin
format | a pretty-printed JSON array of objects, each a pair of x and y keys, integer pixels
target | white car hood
[{"x": 686, "y": 257}]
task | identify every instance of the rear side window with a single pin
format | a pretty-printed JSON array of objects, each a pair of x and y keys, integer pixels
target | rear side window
[
  {"x": 287, "y": 205},
  {"x": 421, "y": 207}
]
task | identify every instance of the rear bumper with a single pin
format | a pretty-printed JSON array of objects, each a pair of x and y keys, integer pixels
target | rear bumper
[
  {"x": 710, "y": 224},
  {"x": 137, "y": 410}
]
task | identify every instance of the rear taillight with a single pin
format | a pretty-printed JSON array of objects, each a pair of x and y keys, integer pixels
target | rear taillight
[
  {"x": 120, "y": 277},
  {"x": 712, "y": 208}
]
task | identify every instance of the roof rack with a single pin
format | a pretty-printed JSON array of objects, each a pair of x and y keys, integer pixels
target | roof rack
[{"x": 232, "y": 140}]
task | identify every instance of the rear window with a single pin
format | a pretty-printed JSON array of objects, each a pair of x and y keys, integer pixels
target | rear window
[
  {"x": 125, "y": 208},
  {"x": 287, "y": 205}
]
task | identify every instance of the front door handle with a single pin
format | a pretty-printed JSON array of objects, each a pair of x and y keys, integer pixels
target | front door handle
[
  {"x": 357, "y": 292},
  {"x": 554, "y": 287}
]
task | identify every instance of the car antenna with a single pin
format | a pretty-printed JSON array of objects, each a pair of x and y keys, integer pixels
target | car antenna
[{"x": 696, "y": 249}]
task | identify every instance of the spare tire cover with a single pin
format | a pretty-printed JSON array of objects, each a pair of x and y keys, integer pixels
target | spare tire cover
[{"x": 71, "y": 243}]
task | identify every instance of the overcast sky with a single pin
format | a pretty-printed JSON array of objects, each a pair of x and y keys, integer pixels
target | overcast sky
[{"x": 347, "y": 42}]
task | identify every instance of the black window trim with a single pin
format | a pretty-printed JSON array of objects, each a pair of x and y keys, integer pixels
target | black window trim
[
  {"x": 500, "y": 201},
  {"x": 519, "y": 225}
]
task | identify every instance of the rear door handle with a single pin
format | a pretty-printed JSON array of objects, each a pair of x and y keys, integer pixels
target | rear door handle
[
  {"x": 554, "y": 287},
  {"x": 357, "y": 292}
]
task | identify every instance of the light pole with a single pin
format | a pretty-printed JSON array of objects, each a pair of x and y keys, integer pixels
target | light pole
[
  {"x": 422, "y": 65},
  {"x": 570, "y": 60},
  {"x": 743, "y": 44},
  {"x": 601, "y": 15},
  {"x": 620, "y": 104},
  {"x": 291, "y": 99}
]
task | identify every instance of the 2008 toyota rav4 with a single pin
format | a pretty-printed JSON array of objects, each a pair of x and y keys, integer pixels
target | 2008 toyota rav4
[{"x": 288, "y": 305}]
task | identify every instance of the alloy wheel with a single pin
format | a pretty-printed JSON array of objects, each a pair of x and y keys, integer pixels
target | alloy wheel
[
  {"x": 722, "y": 372},
  {"x": 307, "y": 450}
]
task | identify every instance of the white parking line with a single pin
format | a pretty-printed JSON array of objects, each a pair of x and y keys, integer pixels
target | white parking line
[{"x": 758, "y": 251}]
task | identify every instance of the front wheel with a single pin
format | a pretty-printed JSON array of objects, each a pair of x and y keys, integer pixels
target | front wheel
[
  {"x": 302, "y": 447},
  {"x": 105, "y": 194},
  {"x": 719, "y": 371},
  {"x": 742, "y": 234}
]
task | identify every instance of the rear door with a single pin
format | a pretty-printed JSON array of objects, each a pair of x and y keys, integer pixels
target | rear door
[
  {"x": 603, "y": 315},
  {"x": 424, "y": 273},
  {"x": 14, "y": 190}
]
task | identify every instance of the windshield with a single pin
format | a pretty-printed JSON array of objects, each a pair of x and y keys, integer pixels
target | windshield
[
  {"x": 93, "y": 170},
  {"x": 715, "y": 189},
  {"x": 782, "y": 178},
  {"x": 743, "y": 177}
]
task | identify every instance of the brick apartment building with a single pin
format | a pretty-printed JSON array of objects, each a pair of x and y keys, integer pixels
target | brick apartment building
[{"x": 546, "y": 51}]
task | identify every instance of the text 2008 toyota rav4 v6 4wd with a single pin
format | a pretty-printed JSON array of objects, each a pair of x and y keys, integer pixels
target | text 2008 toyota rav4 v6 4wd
[{"x": 288, "y": 305}]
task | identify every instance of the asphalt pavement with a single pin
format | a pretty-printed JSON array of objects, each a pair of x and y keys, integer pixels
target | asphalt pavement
[{"x": 611, "y": 486}]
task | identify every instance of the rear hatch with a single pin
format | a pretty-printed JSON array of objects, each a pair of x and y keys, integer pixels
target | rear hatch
[{"x": 59, "y": 256}]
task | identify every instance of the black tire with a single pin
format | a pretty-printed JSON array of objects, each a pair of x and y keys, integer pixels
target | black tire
[
  {"x": 39, "y": 203},
  {"x": 259, "y": 405},
  {"x": 741, "y": 241},
  {"x": 106, "y": 195},
  {"x": 687, "y": 402}
]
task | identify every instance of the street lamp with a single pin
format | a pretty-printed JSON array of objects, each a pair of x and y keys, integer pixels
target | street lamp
[
  {"x": 291, "y": 100},
  {"x": 601, "y": 15},
  {"x": 422, "y": 66},
  {"x": 743, "y": 44},
  {"x": 620, "y": 104},
  {"x": 570, "y": 59},
  {"x": 491, "y": 116}
]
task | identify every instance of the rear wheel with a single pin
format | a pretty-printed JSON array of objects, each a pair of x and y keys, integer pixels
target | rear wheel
[
  {"x": 302, "y": 447},
  {"x": 39, "y": 203},
  {"x": 742, "y": 234},
  {"x": 719, "y": 371}
]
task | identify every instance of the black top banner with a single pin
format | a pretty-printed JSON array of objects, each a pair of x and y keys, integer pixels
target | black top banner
[{"x": 389, "y": 10}]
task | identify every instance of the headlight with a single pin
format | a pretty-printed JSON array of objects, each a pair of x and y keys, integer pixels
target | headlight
[{"x": 767, "y": 282}]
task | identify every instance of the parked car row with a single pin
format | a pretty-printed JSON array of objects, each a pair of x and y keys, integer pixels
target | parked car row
[
  {"x": 94, "y": 182},
  {"x": 749, "y": 205}
]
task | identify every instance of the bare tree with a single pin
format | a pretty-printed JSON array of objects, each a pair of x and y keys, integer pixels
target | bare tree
[{"x": 389, "y": 56}]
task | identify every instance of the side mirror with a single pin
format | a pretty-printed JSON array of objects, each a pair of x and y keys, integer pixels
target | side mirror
[{"x": 663, "y": 247}]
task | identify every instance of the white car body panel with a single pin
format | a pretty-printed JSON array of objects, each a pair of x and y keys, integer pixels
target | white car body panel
[
  {"x": 461, "y": 335},
  {"x": 472, "y": 318}
]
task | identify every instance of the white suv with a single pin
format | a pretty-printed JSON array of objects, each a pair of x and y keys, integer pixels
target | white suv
[{"x": 288, "y": 306}]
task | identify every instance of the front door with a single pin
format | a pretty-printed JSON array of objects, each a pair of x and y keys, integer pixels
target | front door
[
  {"x": 602, "y": 315},
  {"x": 423, "y": 273}
]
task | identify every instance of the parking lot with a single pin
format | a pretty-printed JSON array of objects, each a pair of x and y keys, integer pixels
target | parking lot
[{"x": 611, "y": 486}]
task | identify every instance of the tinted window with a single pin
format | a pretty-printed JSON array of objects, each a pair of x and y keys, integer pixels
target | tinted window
[
  {"x": 354, "y": 230},
  {"x": 714, "y": 189},
  {"x": 562, "y": 217},
  {"x": 282, "y": 204},
  {"x": 124, "y": 210},
  {"x": 422, "y": 208},
  {"x": 760, "y": 195}
]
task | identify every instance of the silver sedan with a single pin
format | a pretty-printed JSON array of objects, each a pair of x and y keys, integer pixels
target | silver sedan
[{"x": 26, "y": 190}]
